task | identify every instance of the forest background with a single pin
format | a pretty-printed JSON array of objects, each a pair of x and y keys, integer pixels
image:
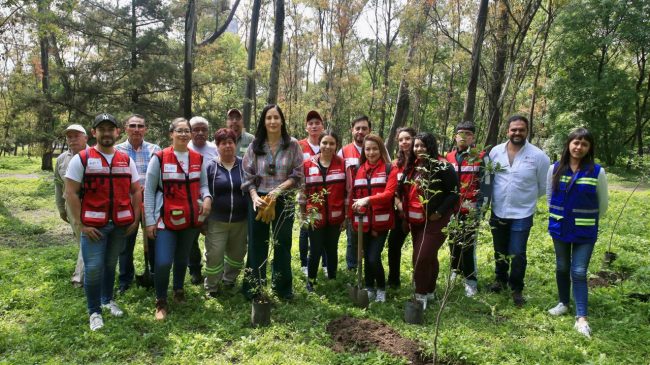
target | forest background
[{"x": 428, "y": 64}]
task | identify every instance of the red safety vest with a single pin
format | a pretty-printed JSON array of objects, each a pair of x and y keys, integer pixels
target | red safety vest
[
  {"x": 367, "y": 182},
  {"x": 351, "y": 155},
  {"x": 329, "y": 209},
  {"x": 106, "y": 189},
  {"x": 181, "y": 190},
  {"x": 468, "y": 176},
  {"x": 307, "y": 151}
]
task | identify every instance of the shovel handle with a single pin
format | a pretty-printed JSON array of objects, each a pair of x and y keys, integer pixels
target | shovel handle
[
  {"x": 145, "y": 238},
  {"x": 359, "y": 248}
]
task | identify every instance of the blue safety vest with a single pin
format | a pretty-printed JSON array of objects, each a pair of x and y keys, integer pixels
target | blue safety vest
[{"x": 573, "y": 212}]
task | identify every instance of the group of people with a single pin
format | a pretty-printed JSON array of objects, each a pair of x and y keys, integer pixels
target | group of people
[{"x": 240, "y": 192}]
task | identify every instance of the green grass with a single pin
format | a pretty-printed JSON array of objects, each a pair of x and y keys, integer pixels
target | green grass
[{"x": 43, "y": 318}]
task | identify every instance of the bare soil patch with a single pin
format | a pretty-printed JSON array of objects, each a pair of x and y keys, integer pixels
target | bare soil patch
[
  {"x": 606, "y": 278},
  {"x": 363, "y": 335}
]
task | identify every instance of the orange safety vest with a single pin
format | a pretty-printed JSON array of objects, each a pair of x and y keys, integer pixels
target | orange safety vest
[
  {"x": 329, "y": 207},
  {"x": 468, "y": 176},
  {"x": 106, "y": 189},
  {"x": 368, "y": 182},
  {"x": 181, "y": 190}
]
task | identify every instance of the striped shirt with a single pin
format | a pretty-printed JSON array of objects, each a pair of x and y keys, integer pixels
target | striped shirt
[
  {"x": 288, "y": 165},
  {"x": 140, "y": 156}
]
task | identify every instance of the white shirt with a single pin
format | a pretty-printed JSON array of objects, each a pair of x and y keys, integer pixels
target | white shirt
[
  {"x": 75, "y": 170},
  {"x": 516, "y": 188},
  {"x": 208, "y": 151}
]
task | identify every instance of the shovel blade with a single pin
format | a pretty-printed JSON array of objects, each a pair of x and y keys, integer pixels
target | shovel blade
[
  {"x": 353, "y": 293},
  {"x": 362, "y": 298}
]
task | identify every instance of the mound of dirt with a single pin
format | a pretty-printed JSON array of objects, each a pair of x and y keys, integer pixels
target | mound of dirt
[{"x": 363, "y": 335}]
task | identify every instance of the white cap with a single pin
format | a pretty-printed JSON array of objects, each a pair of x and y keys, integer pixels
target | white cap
[{"x": 75, "y": 127}]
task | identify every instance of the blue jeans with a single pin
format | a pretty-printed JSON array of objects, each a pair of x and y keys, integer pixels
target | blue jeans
[
  {"x": 127, "y": 270},
  {"x": 510, "y": 237},
  {"x": 571, "y": 263},
  {"x": 172, "y": 247},
  {"x": 351, "y": 251},
  {"x": 100, "y": 259}
]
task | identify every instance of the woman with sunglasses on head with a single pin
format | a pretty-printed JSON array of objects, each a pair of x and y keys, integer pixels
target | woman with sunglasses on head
[
  {"x": 176, "y": 201},
  {"x": 272, "y": 167},
  {"x": 322, "y": 203},
  {"x": 430, "y": 197},
  {"x": 577, "y": 196}
]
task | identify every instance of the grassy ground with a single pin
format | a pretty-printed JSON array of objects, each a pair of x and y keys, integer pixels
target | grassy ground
[{"x": 43, "y": 318}]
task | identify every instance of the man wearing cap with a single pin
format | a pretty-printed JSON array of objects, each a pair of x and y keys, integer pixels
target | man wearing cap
[
  {"x": 140, "y": 151},
  {"x": 475, "y": 185},
  {"x": 235, "y": 122},
  {"x": 200, "y": 131},
  {"x": 103, "y": 193},
  {"x": 76, "y": 139},
  {"x": 310, "y": 147}
]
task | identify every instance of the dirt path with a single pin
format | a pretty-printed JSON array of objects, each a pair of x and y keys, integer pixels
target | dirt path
[{"x": 20, "y": 176}]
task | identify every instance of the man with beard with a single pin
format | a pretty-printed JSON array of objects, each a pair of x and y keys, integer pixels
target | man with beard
[
  {"x": 517, "y": 186},
  {"x": 106, "y": 179},
  {"x": 76, "y": 138},
  {"x": 235, "y": 122},
  {"x": 140, "y": 151}
]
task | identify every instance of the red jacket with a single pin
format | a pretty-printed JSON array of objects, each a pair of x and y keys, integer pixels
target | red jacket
[
  {"x": 329, "y": 208},
  {"x": 469, "y": 178},
  {"x": 106, "y": 189},
  {"x": 307, "y": 151},
  {"x": 181, "y": 190},
  {"x": 371, "y": 181}
]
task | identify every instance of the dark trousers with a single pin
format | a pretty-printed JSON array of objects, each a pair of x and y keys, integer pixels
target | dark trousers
[
  {"x": 127, "y": 269},
  {"x": 351, "y": 248},
  {"x": 303, "y": 246},
  {"x": 510, "y": 237},
  {"x": 324, "y": 242},
  {"x": 374, "y": 269},
  {"x": 427, "y": 240},
  {"x": 463, "y": 247},
  {"x": 194, "y": 264},
  {"x": 396, "y": 239},
  {"x": 280, "y": 230}
]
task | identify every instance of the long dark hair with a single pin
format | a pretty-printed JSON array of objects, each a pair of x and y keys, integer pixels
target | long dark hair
[
  {"x": 401, "y": 156},
  {"x": 382, "y": 148},
  {"x": 430, "y": 143},
  {"x": 261, "y": 134},
  {"x": 587, "y": 162}
]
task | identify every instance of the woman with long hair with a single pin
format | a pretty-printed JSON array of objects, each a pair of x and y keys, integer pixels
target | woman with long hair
[
  {"x": 430, "y": 197},
  {"x": 398, "y": 234},
  {"x": 272, "y": 167},
  {"x": 577, "y": 197},
  {"x": 322, "y": 203},
  {"x": 177, "y": 201},
  {"x": 371, "y": 208}
]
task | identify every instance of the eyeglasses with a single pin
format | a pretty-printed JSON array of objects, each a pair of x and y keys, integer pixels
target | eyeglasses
[
  {"x": 182, "y": 131},
  {"x": 136, "y": 126}
]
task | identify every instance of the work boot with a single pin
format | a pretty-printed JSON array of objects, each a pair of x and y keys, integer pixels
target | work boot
[
  {"x": 497, "y": 287},
  {"x": 179, "y": 295},
  {"x": 161, "y": 309},
  {"x": 196, "y": 278},
  {"x": 518, "y": 299}
]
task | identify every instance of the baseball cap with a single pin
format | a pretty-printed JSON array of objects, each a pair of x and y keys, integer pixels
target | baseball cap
[
  {"x": 75, "y": 127},
  {"x": 234, "y": 111},
  {"x": 466, "y": 126},
  {"x": 105, "y": 117},
  {"x": 312, "y": 114}
]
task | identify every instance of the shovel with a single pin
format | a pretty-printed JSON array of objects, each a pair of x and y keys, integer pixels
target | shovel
[
  {"x": 358, "y": 294},
  {"x": 144, "y": 280}
]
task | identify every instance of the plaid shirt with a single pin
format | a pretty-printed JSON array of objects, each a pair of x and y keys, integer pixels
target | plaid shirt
[
  {"x": 141, "y": 157},
  {"x": 288, "y": 165}
]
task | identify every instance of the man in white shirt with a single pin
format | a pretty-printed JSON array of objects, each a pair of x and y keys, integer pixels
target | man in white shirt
[
  {"x": 199, "y": 143},
  {"x": 519, "y": 181}
]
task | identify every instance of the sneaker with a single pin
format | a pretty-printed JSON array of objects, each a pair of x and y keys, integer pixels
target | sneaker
[
  {"x": 371, "y": 294},
  {"x": 113, "y": 309},
  {"x": 76, "y": 284},
  {"x": 453, "y": 276},
  {"x": 558, "y": 310},
  {"x": 161, "y": 309},
  {"x": 497, "y": 287},
  {"x": 432, "y": 296},
  {"x": 96, "y": 321},
  {"x": 422, "y": 298},
  {"x": 518, "y": 299},
  {"x": 304, "y": 270},
  {"x": 583, "y": 328},
  {"x": 179, "y": 295},
  {"x": 470, "y": 288},
  {"x": 196, "y": 278},
  {"x": 381, "y": 296},
  {"x": 325, "y": 271},
  {"x": 310, "y": 286}
]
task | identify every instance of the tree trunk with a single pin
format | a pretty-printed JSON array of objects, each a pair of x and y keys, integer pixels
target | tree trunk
[
  {"x": 531, "y": 115},
  {"x": 470, "y": 99},
  {"x": 250, "y": 66},
  {"x": 46, "y": 120},
  {"x": 134, "y": 52},
  {"x": 188, "y": 65},
  {"x": 498, "y": 75},
  {"x": 274, "y": 75}
]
